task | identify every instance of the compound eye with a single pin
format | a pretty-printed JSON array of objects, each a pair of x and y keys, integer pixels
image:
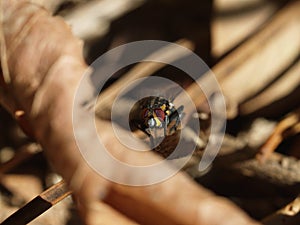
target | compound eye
[
  {"x": 145, "y": 113},
  {"x": 160, "y": 114},
  {"x": 151, "y": 123}
]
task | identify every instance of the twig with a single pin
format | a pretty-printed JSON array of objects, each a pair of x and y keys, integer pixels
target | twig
[
  {"x": 38, "y": 205},
  {"x": 286, "y": 127},
  {"x": 289, "y": 215},
  {"x": 22, "y": 155}
]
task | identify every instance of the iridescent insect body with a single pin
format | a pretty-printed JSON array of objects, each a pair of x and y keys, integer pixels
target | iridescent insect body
[{"x": 158, "y": 117}]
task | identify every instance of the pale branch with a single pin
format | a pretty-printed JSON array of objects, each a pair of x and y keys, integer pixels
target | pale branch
[
  {"x": 259, "y": 61},
  {"x": 276, "y": 91},
  {"x": 230, "y": 17}
]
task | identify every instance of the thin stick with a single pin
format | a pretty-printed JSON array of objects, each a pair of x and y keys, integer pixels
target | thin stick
[
  {"x": 289, "y": 215},
  {"x": 22, "y": 155},
  {"x": 38, "y": 205},
  {"x": 285, "y": 127}
]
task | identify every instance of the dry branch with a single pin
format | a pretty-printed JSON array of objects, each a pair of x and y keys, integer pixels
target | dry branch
[
  {"x": 269, "y": 55},
  {"x": 239, "y": 19},
  {"x": 45, "y": 69},
  {"x": 287, "y": 126},
  {"x": 278, "y": 90},
  {"x": 258, "y": 62}
]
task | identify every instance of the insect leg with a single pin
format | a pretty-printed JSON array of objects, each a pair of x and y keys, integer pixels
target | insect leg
[{"x": 166, "y": 122}]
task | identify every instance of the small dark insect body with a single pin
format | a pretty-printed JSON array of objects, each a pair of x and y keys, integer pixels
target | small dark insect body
[
  {"x": 158, "y": 118},
  {"x": 159, "y": 113}
]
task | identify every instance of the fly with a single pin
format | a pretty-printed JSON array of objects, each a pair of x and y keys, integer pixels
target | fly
[{"x": 157, "y": 117}]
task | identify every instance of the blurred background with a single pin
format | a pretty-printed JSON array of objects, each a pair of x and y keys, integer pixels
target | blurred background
[{"x": 252, "y": 46}]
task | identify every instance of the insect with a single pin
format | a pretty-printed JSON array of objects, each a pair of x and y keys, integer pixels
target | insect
[{"x": 157, "y": 117}]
